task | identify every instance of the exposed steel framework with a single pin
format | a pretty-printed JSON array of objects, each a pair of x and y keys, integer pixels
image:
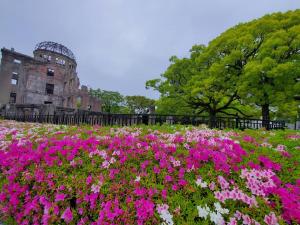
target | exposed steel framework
[{"x": 55, "y": 47}]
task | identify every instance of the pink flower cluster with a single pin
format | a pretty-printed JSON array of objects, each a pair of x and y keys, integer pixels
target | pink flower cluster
[
  {"x": 258, "y": 181},
  {"x": 144, "y": 210},
  {"x": 269, "y": 164},
  {"x": 80, "y": 175},
  {"x": 290, "y": 198},
  {"x": 246, "y": 219},
  {"x": 235, "y": 194}
]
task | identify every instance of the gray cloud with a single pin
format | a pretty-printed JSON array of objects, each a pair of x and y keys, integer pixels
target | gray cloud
[{"x": 120, "y": 44}]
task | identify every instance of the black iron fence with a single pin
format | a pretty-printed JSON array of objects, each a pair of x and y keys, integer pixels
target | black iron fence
[{"x": 147, "y": 119}]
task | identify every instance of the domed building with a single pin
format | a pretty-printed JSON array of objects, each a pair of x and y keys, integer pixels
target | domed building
[{"x": 49, "y": 77}]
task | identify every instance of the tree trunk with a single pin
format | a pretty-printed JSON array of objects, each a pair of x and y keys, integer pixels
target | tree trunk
[
  {"x": 212, "y": 120},
  {"x": 265, "y": 116}
]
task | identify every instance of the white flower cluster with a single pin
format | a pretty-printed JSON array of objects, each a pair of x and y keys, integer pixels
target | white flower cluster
[
  {"x": 165, "y": 214},
  {"x": 215, "y": 216}
]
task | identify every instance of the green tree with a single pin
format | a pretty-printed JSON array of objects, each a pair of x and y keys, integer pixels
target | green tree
[
  {"x": 254, "y": 64},
  {"x": 139, "y": 104},
  {"x": 269, "y": 78},
  {"x": 112, "y": 101},
  {"x": 172, "y": 83}
]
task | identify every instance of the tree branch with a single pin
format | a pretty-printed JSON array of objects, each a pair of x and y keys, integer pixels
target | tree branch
[
  {"x": 231, "y": 99},
  {"x": 228, "y": 114},
  {"x": 238, "y": 110}
]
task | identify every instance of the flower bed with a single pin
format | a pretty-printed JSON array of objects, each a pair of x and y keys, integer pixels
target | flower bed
[{"x": 149, "y": 175}]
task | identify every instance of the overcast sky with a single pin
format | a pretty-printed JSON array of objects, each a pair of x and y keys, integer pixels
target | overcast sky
[{"x": 120, "y": 44}]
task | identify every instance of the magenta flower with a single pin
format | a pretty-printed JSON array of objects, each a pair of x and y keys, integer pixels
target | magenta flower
[
  {"x": 164, "y": 194},
  {"x": 67, "y": 215},
  {"x": 60, "y": 197}
]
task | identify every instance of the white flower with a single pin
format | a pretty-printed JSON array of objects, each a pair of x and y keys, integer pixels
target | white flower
[
  {"x": 137, "y": 179},
  {"x": 116, "y": 152},
  {"x": 203, "y": 185},
  {"x": 219, "y": 208},
  {"x": 95, "y": 188},
  {"x": 216, "y": 218},
  {"x": 176, "y": 163},
  {"x": 105, "y": 164},
  {"x": 112, "y": 160},
  {"x": 192, "y": 169},
  {"x": 167, "y": 217},
  {"x": 203, "y": 212},
  {"x": 200, "y": 183},
  {"x": 165, "y": 214}
]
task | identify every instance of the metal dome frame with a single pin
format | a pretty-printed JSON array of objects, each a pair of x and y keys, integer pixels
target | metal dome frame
[{"x": 56, "y": 48}]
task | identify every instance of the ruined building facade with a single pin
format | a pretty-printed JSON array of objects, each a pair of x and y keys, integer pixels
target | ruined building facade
[{"x": 47, "y": 78}]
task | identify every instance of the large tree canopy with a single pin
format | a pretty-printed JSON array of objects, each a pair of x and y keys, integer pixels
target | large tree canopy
[
  {"x": 173, "y": 82},
  {"x": 255, "y": 64}
]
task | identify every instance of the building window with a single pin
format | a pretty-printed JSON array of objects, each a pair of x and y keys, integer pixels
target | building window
[
  {"x": 14, "y": 78},
  {"x": 17, "y": 61},
  {"x": 14, "y": 81},
  {"x": 12, "y": 98},
  {"x": 60, "y": 61},
  {"x": 47, "y": 57},
  {"x": 71, "y": 82},
  {"x": 50, "y": 72},
  {"x": 69, "y": 102},
  {"x": 47, "y": 102},
  {"x": 49, "y": 89}
]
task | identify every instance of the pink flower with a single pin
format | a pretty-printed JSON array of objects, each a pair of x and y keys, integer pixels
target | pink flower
[
  {"x": 168, "y": 178},
  {"x": 174, "y": 187},
  {"x": 156, "y": 170},
  {"x": 224, "y": 184},
  {"x": 212, "y": 186},
  {"x": 271, "y": 219},
  {"x": 144, "y": 210},
  {"x": 89, "y": 180},
  {"x": 164, "y": 193},
  {"x": 60, "y": 197},
  {"x": 162, "y": 207},
  {"x": 67, "y": 215}
]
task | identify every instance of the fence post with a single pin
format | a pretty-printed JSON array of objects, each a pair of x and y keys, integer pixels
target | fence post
[{"x": 237, "y": 122}]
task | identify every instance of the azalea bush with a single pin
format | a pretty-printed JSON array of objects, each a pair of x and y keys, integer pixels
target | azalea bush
[{"x": 53, "y": 174}]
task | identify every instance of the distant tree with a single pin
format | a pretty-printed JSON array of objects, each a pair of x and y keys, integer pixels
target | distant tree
[
  {"x": 139, "y": 104},
  {"x": 112, "y": 101}
]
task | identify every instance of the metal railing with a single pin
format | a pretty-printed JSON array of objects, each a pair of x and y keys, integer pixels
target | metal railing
[{"x": 147, "y": 119}]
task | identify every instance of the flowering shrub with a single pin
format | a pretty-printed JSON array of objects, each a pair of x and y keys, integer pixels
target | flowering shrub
[{"x": 148, "y": 175}]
